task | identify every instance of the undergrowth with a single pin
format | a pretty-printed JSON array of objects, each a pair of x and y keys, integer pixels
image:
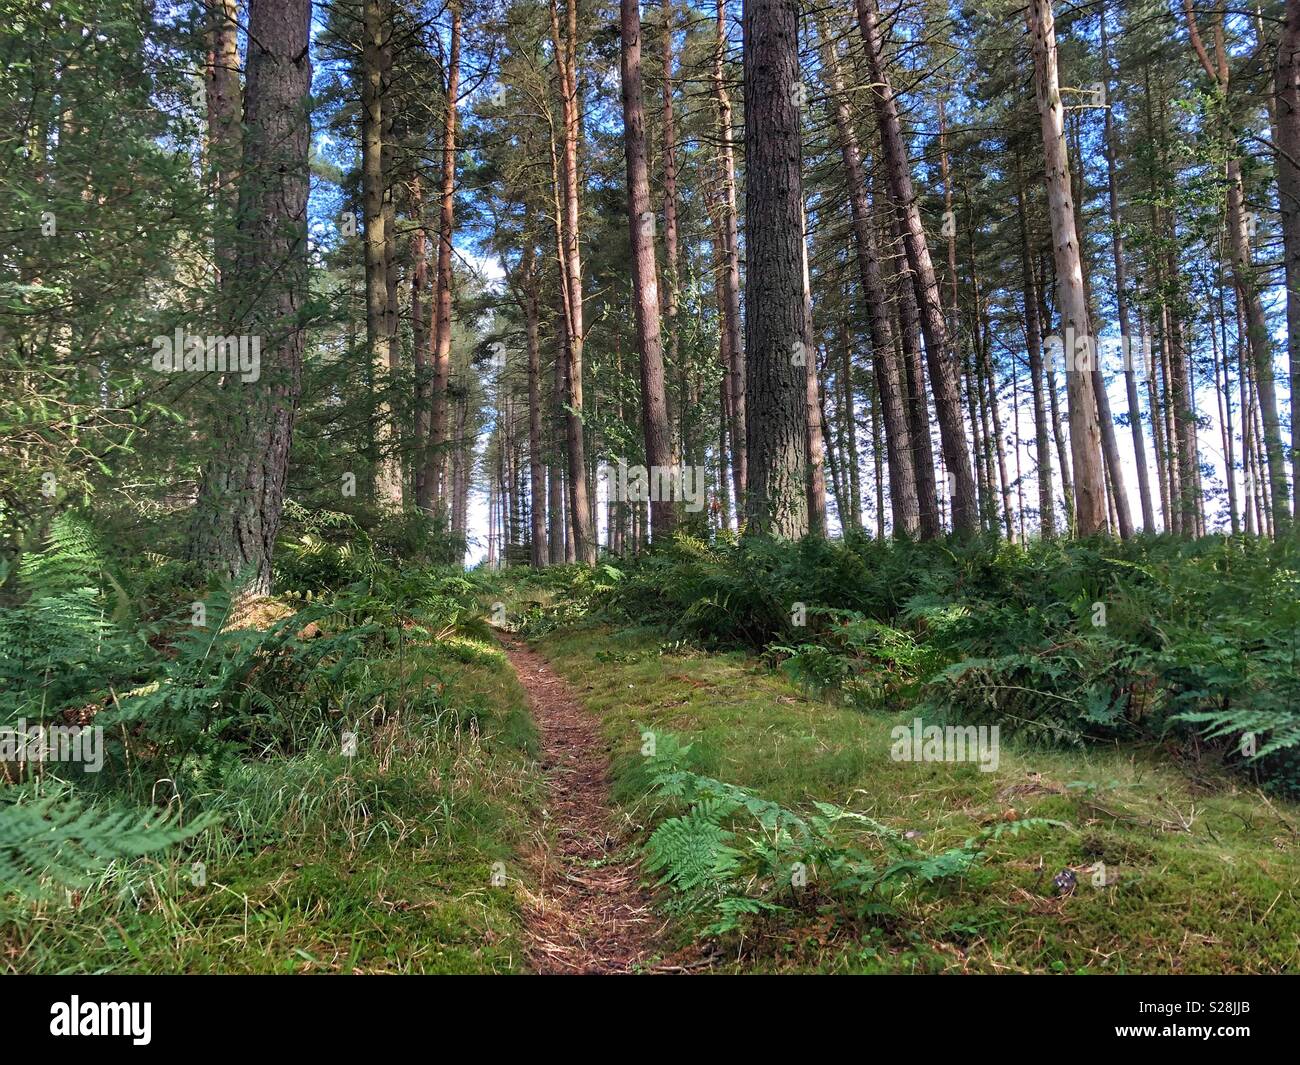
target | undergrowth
[
  {"x": 740, "y": 855},
  {"x": 1063, "y": 642},
  {"x": 360, "y": 717}
]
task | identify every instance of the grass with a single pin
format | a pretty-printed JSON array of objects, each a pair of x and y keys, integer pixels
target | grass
[
  {"x": 379, "y": 863},
  {"x": 1201, "y": 871}
]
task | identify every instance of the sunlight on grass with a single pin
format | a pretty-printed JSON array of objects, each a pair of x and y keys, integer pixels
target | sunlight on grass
[{"x": 1200, "y": 875}]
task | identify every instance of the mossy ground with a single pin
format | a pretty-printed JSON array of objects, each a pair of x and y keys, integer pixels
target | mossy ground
[
  {"x": 383, "y": 863},
  {"x": 379, "y": 863},
  {"x": 1203, "y": 872}
]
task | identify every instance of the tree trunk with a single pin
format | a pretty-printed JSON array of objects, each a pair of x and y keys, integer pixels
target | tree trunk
[
  {"x": 816, "y": 484},
  {"x": 1121, "y": 300},
  {"x": 1219, "y": 339},
  {"x": 238, "y": 512},
  {"x": 529, "y": 285},
  {"x": 225, "y": 136},
  {"x": 1243, "y": 271},
  {"x": 688, "y": 401},
  {"x": 939, "y": 355},
  {"x": 851, "y": 423},
  {"x": 1118, "y": 495},
  {"x": 387, "y": 470},
  {"x": 726, "y": 420},
  {"x": 898, "y": 443},
  {"x": 566, "y": 57},
  {"x": 436, "y": 460},
  {"x": 1053, "y": 405},
  {"x": 731, "y": 264},
  {"x": 1034, "y": 343},
  {"x": 1085, "y": 432},
  {"x": 420, "y": 337},
  {"x": 645, "y": 283},
  {"x": 913, "y": 377},
  {"x": 1288, "y": 187},
  {"x": 777, "y": 343}
]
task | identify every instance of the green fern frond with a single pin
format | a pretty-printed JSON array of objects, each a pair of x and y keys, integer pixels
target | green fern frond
[{"x": 60, "y": 842}]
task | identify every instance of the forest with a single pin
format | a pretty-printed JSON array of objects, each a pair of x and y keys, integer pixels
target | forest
[{"x": 666, "y": 486}]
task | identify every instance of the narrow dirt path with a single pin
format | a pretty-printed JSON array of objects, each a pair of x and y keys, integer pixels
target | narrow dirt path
[{"x": 590, "y": 914}]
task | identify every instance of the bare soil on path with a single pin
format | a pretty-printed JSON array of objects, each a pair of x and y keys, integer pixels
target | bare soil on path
[{"x": 590, "y": 913}]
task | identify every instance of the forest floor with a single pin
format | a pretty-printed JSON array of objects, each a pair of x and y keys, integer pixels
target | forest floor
[
  {"x": 1180, "y": 868},
  {"x": 404, "y": 859},
  {"x": 503, "y": 828}
]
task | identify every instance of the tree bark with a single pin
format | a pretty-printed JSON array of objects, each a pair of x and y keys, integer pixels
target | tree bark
[
  {"x": 225, "y": 137},
  {"x": 777, "y": 343},
  {"x": 645, "y": 283},
  {"x": 242, "y": 497},
  {"x": 1085, "y": 432}
]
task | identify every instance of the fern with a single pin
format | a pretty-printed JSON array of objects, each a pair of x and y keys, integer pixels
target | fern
[
  {"x": 61, "y": 642},
  {"x": 694, "y": 850},
  {"x": 71, "y": 559},
  {"x": 60, "y": 842},
  {"x": 733, "y": 852}
]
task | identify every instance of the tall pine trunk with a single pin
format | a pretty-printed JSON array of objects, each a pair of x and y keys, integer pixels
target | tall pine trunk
[
  {"x": 1034, "y": 343},
  {"x": 1288, "y": 187},
  {"x": 777, "y": 342},
  {"x": 225, "y": 136},
  {"x": 1121, "y": 300},
  {"x": 645, "y": 284},
  {"x": 898, "y": 443},
  {"x": 242, "y": 496},
  {"x": 566, "y": 59},
  {"x": 816, "y": 481},
  {"x": 731, "y": 262},
  {"x": 531, "y": 298},
  {"x": 1247, "y": 283},
  {"x": 436, "y": 459},
  {"x": 376, "y": 30},
  {"x": 940, "y": 358},
  {"x": 1085, "y": 432}
]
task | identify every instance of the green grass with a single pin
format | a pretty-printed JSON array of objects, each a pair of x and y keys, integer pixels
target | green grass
[
  {"x": 1204, "y": 869},
  {"x": 381, "y": 863}
]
